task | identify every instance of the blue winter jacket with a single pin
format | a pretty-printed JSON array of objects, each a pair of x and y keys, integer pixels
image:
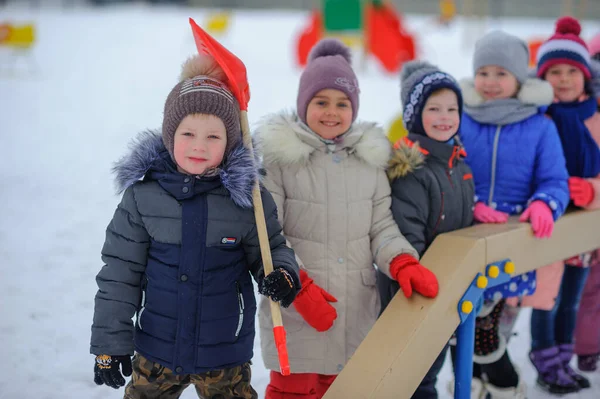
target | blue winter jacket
[{"x": 516, "y": 164}]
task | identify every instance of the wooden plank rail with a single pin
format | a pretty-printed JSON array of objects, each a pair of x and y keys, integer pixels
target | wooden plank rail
[{"x": 409, "y": 335}]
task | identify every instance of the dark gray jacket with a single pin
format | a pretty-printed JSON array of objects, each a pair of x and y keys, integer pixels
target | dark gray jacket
[
  {"x": 432, "y": 193},
  {"x": 179, "y": 252}
]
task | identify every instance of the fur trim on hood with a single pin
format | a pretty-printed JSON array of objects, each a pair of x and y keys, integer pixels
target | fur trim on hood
[
  {"x": 533, "y": 91},
  {"x": 405, "y": 159},
  {"x": 279, "y": 139},
  {"x": 238, "y": 173}
]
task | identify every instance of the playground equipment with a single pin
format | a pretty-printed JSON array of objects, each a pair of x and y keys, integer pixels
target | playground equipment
[
  {"x": 534, "y": 46},
  {"x": 397, "y": 130},
  {"x": 217, "y": 23},
  {"x": 18, "y": 40},
  {"x": 20, "y": 37},
  {"x": 410, "y": 333},
  {"x": 447, "y": 11},
  {"x": 373, "y": 24}
]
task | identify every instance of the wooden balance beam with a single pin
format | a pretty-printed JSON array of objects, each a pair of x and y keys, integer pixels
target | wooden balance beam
[{"x": 409, "y": 335}]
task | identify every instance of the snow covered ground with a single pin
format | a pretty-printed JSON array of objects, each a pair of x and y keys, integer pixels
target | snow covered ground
[{"x": 100, "y": 76}]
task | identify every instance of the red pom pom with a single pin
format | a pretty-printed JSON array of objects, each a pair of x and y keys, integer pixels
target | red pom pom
[{"x": 566, "y": 25}]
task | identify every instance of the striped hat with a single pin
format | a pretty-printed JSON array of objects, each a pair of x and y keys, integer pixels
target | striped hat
[
  {"x": 202, "y": 94},
  {"x": 564, "y": 47}
]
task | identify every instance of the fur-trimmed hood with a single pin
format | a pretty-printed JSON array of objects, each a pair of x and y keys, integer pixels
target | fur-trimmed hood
[
  {"x": 147, "y": 152},
  {"x": 411, "y": 152},
  {"x": 405, "y": 159},
  {"x": 283, "y": 139},
  {"x": 533, "y": 91}
]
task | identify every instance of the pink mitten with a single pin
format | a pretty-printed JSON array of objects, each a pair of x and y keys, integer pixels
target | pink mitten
[
  {"x": 484, "y": 214},
  {"x": 540, "y": 217}
]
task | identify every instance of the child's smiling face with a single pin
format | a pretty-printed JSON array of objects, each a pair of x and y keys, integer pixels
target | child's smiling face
[
  {"x": 440, "y": 115},
  {"x": 200, "y": 142},
  {"x": 568, "y": 82},
  {"x": 493, "y": 82},
  {"x": 329, "y": 113}
]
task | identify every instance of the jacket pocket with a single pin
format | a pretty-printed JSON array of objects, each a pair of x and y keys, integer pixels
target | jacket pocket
[
  {"x": 142, "y": 302},
  {"x": 241, "y": 307},
  {"x": 367, "y": 305},
  {"x": 369, "y": 277}
]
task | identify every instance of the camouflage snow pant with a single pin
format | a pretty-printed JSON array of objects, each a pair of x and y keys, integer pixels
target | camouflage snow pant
[{"x": 152, "y": 381}]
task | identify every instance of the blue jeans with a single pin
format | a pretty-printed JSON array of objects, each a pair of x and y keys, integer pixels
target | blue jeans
[{"x": 557, "y": 326}]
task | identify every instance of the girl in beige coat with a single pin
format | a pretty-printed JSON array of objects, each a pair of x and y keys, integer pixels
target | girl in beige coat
[{"x": 327, "y": 176}]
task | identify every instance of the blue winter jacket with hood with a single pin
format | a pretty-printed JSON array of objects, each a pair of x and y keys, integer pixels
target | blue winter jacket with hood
[{"x": 518, "y": 163}]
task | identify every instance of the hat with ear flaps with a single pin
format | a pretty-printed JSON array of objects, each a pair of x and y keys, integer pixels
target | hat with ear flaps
[{"x": 418, "y": 80}]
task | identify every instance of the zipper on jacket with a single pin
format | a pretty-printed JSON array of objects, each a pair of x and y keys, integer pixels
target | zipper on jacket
[
  {"x": 440, "y": 217},
  {"x": 450, "y": 171},
  {"x": 241, "y": 309},
  {"x": 494, "y": 159}
]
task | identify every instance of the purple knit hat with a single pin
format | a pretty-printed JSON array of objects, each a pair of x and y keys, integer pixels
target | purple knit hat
[{"x": 329, "y": 67}]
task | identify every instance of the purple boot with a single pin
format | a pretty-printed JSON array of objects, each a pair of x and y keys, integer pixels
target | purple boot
[
  {"x": 552, "y": 376},
  {"x": 566, "y": 353},
  {"x": 588, "y": 362}
]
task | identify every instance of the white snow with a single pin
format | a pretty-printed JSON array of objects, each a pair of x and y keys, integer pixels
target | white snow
[{"x": 100, "y": 77}]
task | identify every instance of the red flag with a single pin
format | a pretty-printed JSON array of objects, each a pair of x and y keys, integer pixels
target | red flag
[{"x": 233, "y": 67}]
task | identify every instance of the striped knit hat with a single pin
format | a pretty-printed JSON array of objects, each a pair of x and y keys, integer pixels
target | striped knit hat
[
  {"x": 564, "y": 47},
  {"x": 201, "y": 91}
]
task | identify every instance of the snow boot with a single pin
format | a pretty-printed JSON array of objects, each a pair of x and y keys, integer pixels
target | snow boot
[
  {"x": 588, "y": 362},
  {"x": 477, "y": 390},
  {"x": 566, "y": 353},
  {"x": 494, "y": 392},
  {"x": 552, "y": 376}
]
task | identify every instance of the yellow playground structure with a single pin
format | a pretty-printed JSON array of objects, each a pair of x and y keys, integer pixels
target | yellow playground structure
[{"x": 17, "y": 36}]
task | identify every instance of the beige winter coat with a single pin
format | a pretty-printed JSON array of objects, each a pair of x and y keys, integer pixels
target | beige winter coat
[{"x": 334, "y": 206}]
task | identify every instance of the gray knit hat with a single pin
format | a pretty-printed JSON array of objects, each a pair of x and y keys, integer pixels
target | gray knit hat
[
  {"x": 507, "y": 51},
  {"x": 201, "y": 90},
  {"x": 418, "y": 80}
]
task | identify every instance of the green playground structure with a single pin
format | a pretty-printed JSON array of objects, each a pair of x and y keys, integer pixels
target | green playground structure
[{"x": 374, "y": 24}]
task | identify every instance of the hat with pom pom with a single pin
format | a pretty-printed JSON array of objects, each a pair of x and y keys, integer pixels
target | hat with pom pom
[
  {"x": 418, "y": 81},
  {"x": 329, "y": 67},
  {"x": 564, "y": 47},
  {"x": 202, "y": 89}
]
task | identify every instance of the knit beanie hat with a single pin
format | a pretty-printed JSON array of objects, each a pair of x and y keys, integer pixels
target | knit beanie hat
[
  {"x": 507, "y": 51},
  {"x": 594, "y": 46},
  {"x": 329, "y": 67},
  {"x": 564, "y": 47},
  {"x": 202, "y": 89},
  {"x": 418, "y": 80}
]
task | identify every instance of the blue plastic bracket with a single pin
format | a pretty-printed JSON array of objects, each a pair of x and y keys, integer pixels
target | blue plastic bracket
[{"x": 468, "y": 307}]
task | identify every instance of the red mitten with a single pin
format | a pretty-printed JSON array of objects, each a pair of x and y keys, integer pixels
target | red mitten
[
  {"x": 582, "y": 191},
  {"x": 313, "y": 305},
  {"x": 484, "y": 214},
  {"x": 540, "y": 217},
  {"x": 410, "y": 274}
]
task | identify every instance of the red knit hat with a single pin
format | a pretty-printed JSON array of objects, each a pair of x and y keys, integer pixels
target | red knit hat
[{"x": 564, "y": 47}]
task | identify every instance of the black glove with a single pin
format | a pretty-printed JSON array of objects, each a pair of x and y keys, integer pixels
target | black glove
[
  {"x": 106, "y": 370},
  {"x": 279, "y": 286}
]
